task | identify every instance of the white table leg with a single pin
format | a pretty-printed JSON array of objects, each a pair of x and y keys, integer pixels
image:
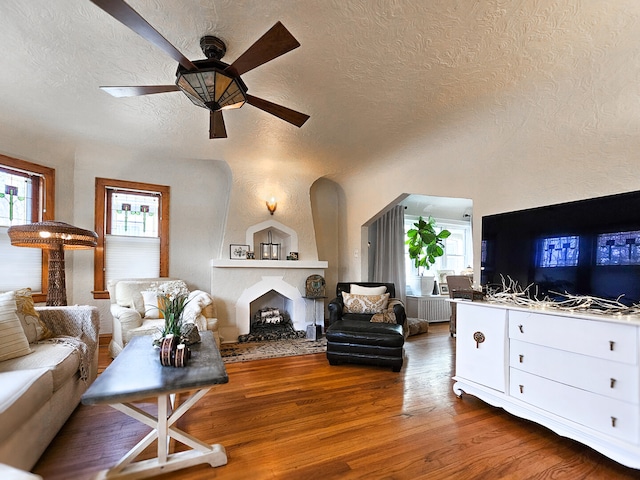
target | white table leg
[{"x": 163, "y": 430}]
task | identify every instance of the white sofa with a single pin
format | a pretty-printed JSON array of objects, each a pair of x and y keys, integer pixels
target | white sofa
[
  {"x": 130, "y": 318},
  {"x": 41, "y": 389}
]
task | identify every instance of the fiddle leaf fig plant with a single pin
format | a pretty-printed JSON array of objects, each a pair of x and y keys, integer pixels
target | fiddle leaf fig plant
[{"x": 425, "y": 244}]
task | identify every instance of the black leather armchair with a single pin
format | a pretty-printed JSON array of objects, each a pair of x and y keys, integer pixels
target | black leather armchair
[{"x": 353, "y": 338}]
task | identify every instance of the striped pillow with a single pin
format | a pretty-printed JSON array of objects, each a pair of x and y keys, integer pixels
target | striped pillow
[{"x": 13, "y": 341}]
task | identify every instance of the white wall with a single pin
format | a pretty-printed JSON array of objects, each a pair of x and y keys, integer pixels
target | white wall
[
  {"x": 524, "y": 150},
  {"x": 251, "y": 188},
  {"x": 199, "y": 201}
]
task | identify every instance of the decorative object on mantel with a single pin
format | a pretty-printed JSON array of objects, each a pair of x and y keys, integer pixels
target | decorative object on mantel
[
  {"x": 292, "y": 256},
  {"x": 315, "y": 287},
  {"x": 238, "y": 252},
  {"x": 514, "y": 294},
  {"x": 272, "y": 204},
  {"x": 251, "y": 255},
  {"x": 270, "y": 250},
  {"x": 54, "y": 237}
]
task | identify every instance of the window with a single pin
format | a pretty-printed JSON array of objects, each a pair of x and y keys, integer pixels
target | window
[
  {"x": 132, "y": 223},
  {"x": 458, "y": 248},
  {"x": 559, "y": 251},
  {"x": 620, "y": 248},
  {"x": 27, "y": 194}
]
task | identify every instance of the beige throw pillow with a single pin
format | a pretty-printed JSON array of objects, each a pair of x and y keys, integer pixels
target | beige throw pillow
[
  {"x": 364, "y": 303},
  {"x": 13, "y": 341},
  {"x": 34, "y": 328}
]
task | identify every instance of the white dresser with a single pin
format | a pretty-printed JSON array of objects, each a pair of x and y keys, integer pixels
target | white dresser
[{"x": 577, "y": 374}]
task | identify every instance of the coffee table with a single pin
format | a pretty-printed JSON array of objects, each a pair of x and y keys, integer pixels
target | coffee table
[{"x": 136, "y": 374}]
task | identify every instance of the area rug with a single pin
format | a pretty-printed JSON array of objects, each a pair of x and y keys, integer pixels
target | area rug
[{"x": 244, "y": 352}]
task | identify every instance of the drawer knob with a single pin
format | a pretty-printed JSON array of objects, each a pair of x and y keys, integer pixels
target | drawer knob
[
  {"x": 521, "y": 388},
  {"x": 613, "y": 382},
  {"x": 613, "y": 421},
  {"x": 479, "y": 338},
  {"x": 611, "y": 344},
  {"x": 520, "y": 328},
  {"x": 521, "y": 358}
]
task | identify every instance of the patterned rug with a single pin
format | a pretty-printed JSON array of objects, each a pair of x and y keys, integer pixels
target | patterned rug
[{"x": 244, "y": 352}]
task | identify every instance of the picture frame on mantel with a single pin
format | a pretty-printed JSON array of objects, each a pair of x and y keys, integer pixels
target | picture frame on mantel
[{"x": 238, "y": 252}]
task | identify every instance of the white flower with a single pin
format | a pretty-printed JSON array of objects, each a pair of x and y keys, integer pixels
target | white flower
[{"x": 171, "y": 290}]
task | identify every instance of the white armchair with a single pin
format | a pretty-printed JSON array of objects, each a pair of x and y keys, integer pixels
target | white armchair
[{"x": 130, "y": 318}]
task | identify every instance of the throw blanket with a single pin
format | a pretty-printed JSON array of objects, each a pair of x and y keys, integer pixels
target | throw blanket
[
  {"x": 83, "y": 352},
  {"x": 192, "y": 313},
  {"x": 388, "y": 316},
  {"x": 67, "y": 326}
]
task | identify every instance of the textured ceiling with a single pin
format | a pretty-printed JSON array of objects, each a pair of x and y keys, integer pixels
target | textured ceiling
[{"x": 374, "y": 75}]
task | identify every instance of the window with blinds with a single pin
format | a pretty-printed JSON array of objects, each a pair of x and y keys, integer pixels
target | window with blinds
[
  {"x": 133, "y": 227},
  {"x": 24, "y": 191},
  {"x": 132, "y": 243}
]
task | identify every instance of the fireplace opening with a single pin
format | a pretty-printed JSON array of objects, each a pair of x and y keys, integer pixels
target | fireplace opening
[{"x": 270, "y": 319}]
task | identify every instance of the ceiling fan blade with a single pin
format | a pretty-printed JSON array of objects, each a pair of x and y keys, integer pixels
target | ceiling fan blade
[
  {"x": 126, "y": 15},
  {"x": 286, "y": 114},
  {"x": 141, "y": 90},
  {"x": 216, "y": 125},
  {"x": 277, "y": 41}
]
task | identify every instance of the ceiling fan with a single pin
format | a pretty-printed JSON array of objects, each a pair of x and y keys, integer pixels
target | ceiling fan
[{"x": 210, "y": 83}]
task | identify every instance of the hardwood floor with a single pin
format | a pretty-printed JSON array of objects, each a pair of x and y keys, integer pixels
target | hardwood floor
[{"x": 299, "y": 418}]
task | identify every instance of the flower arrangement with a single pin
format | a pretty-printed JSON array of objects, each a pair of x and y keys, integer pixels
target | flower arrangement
[
  {"x": 171, "y": 309},
  {"x": 172, "y": 298}
]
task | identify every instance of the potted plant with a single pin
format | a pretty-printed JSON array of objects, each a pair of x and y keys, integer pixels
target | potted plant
[{"x": 425, "y": 245}]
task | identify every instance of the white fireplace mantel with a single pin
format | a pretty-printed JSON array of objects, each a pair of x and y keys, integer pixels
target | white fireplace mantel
[{"x": 224, "y": 263}]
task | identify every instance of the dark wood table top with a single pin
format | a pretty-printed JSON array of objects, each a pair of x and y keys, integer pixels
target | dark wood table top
[{"x": 136, "y": 372}]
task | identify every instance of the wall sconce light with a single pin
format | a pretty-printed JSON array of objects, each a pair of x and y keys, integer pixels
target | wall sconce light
[{"x": 271, "y": 205}]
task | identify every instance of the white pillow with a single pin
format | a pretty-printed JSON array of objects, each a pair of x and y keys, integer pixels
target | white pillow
[
  {"x": 360, "y": 290},
  {"x": 13, "y": 341},
  {"x": 150, "y": 304}
]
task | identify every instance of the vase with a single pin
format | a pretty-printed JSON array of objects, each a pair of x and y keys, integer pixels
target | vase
[
  {"x": 172, "y": 353},
  {"x": 422, "y": 285}
]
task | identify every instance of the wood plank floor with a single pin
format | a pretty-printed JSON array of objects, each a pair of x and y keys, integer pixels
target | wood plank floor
[{"x": 299, "y": 418}]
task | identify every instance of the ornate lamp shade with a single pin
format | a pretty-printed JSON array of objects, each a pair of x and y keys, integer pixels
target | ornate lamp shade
[
  {"x": 212, "y": 89},
  {"x": 55, "y": 237}
]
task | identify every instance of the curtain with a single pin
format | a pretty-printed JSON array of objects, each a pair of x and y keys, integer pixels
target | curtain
[{"x": 389, "y": 250}]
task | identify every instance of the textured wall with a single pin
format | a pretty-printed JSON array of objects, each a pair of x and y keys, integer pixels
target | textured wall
[
  {"x": 513, "y": 104},
  {"x": 199, "y": 195}
]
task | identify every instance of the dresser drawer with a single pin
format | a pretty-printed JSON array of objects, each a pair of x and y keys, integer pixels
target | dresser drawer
[
  {"x": 482, "y": 361},
  {"x": 611, "y": 341},
  {"x": 607, "y": 415},
  {"x": 605, "y": 377}
]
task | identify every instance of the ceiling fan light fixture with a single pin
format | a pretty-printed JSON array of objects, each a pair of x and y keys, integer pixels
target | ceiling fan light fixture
[{"x": 211, "y": 89}]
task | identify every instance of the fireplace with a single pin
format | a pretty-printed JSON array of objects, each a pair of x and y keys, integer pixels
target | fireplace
[
  {"x": 270, "y": 291},
  {"x": 270, "y": 319},
  {"x": 237, "y": 284}
]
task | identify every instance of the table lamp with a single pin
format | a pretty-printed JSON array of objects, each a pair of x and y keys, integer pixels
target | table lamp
[{"x": 55, "y": 237}]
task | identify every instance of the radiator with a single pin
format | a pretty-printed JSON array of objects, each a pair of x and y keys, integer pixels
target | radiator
[{"x": 434, "y": 309}]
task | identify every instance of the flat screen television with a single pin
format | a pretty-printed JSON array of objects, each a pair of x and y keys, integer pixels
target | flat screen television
[{"x": 587, "y": 247}]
